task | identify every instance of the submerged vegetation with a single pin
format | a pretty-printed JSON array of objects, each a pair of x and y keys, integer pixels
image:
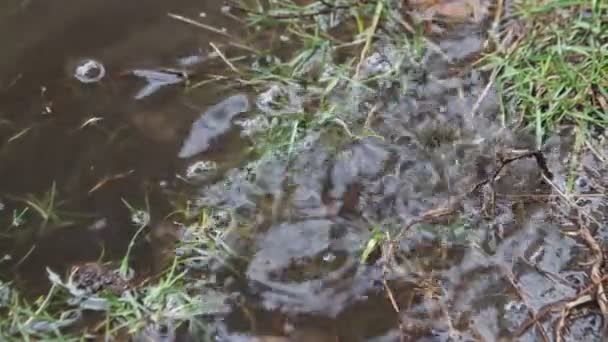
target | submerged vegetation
[{"x": 321, "y": 71}]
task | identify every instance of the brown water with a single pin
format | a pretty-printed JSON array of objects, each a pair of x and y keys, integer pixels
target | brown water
[
  {"x": 96, "y": 142},
  {"x": 307, "y": 218}
]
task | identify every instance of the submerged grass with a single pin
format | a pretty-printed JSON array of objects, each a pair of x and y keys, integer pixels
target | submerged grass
[
  {"x": 149, "y": 311},
  {"x": 555, "y": 72},
  {"x": 109, "y": 302}
]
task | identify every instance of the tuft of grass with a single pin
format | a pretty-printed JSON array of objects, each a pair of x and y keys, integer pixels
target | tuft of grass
[
  {"x": 140, "y": 218},
  {"x": 555, "y": 73},
  {"x": 156, "y": 308}
]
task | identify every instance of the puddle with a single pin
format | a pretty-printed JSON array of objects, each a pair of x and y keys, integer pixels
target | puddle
[
  {"x": 95, "y": 143},
  {"x": 74, "y": 150}
]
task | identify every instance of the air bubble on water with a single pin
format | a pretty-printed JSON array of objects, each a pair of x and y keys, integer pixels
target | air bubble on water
[
  {"x": 89, "y": 71},
  {"x": 329, "y": 257},
  {"x": 140, "y": 217}
]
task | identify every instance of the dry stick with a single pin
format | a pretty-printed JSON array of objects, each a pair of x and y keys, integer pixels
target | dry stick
[
  {"x": 23, "y": 258},
  {"x": 388, "y": 290},
  {"x": 566, "y": 311},
  {"x": 108, "y": 179},
  {"x": 223, "y": 58},
  {"x": 565, "y": 303},
  {"x": 484, "y": 94},
  {"x": 391, "y": 297},
  {"x": 521, "y": 295},
  {"x": 598, "y": 261},
  {"x": 199, "y": 24},
  {"x": 597, "y": 153}
]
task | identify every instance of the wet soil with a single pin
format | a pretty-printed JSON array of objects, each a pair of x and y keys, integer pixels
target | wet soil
[{"x": 296, "y": 226}]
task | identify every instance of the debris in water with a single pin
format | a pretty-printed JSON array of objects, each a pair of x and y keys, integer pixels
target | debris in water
[
  {"x": 279, "y": 100},
  {"x": 201, "y": 168},
  {"x": 250, "y": 127},
  {"x": 156, "y": 80},
  {"x": 216, "y": 121},
  {"x": 89, "y": 71},
  {"x": 94, "y": 277},
  {"x": 140, "y": 218}
]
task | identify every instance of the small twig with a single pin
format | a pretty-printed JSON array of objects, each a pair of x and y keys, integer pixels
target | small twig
[
  {"x": 597, "y": 153},
  {"x": 23, "y": 258},
  {"x": 18, "y": 135},
  {"x": 544, "y": 311},
  {"x": 504, "y": 161},
  {"x": 221, "y": 55},
  {"x": 199, "y": 24},
  {"x": 484, "y": 94},
  {"x": 391, "y": 297},
  {"x": 523, "y": 298},
  {"x": 566, "y": 311},
  {"x": 108, "y": 179},
  {"x": 598, "y": 261}
]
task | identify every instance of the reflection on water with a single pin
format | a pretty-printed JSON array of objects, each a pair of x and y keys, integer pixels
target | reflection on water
[
  {"x": 92, "y": 143},
  {"x": 212, "y": 124}
]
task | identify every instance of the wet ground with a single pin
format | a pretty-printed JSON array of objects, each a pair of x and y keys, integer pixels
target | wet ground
[{"x": 72, "y": 153}]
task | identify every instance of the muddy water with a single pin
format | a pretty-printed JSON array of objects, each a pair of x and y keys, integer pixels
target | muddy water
[
  {"x": 298, "y": 225},
  {"x": 95, "y": 144}
]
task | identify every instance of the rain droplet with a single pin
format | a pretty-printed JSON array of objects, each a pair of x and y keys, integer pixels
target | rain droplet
[{"x": 89, "y": 71}]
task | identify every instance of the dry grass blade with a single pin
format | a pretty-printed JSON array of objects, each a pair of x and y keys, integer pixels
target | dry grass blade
[
  {"x": 199, "y": 24},
  {"x": 108, "y": 179},
  {"x": 597, "y": 263},
  {"x": 561, "y": 324},
  {"x": 523, "y": 298},
  {"x": 370, "y": 35},
  {"x": 221, "y": 55}
]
